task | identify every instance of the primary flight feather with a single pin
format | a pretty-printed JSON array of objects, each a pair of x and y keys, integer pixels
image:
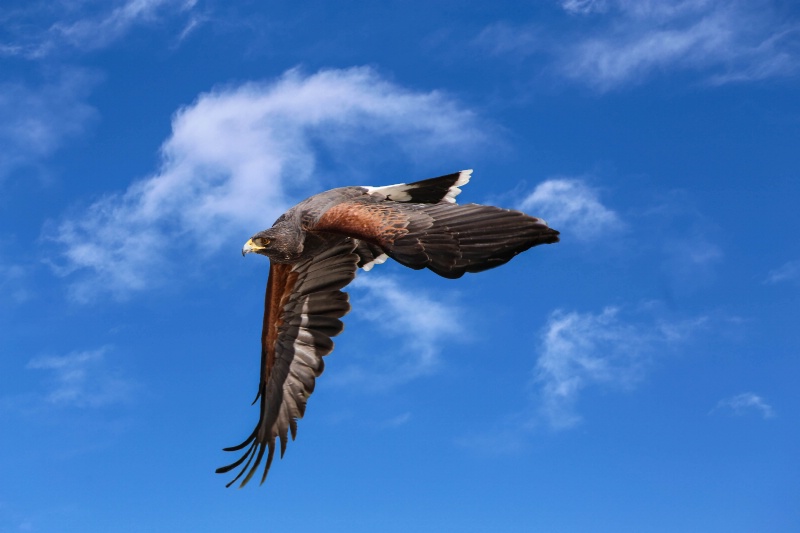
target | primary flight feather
[{"x": 315, "y": 249}]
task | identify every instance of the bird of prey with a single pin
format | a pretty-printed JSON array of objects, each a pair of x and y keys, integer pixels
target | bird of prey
[{"x": 315, "y": 249}]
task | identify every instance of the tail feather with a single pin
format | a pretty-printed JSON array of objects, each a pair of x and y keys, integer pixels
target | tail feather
[{"x": 451, "y": 240}]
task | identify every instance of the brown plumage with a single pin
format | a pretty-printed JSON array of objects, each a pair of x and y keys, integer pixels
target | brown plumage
[{"x": 315, "y": 249}]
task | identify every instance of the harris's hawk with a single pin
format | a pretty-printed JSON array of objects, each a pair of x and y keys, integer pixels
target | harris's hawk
[{"x": 315, "y": 249}]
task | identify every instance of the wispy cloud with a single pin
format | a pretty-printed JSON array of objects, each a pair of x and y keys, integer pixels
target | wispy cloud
[
  {"x": 195, "y": 21},
  {"x": 573, "y": 207},
  {"x": 686, "y": 238},
  {"x": 11, "y": 286},
  {"x": 13, "y": 277},
  {"x": 415, "y": 326},
  {"x": 397, "y": 421},
  {"x": 82, "y": 379},
  {"x": 581, "y": 350},
  {"x": 504, "y": 39},
  {"x": 585, "y": 6},
  {"x": 787, "y": 272},
  {"x": 35, "y": 121},
  {"x": 745, "y": 403},
  {"x": 614, "y": 349},
  {"x": 235, "y": 158},
  {"x": 39, "y": 31},
  {"x": 728, "y": 40},
  {"x": 614, "y": 43},
  {"x": 501, "y": 440},
  {"x": 691, "y": 261},
  {"x": 98, "y": 31}
]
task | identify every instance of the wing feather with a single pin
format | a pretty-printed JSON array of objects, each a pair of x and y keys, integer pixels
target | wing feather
[
  {"x": 447, "y": 238},
  {"x": 302, "y": 308},
  {"x": 430, "y": 191}
]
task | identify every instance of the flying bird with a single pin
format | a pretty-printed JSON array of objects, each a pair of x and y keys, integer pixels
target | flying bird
[{"x": 315, "y": 249}]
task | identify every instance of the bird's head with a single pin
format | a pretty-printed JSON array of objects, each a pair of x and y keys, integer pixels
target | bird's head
[
  {"x": 274, "y": 245},
  {"x": 260, "y": 243}
]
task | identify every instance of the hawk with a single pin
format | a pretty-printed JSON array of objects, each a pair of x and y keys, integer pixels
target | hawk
[{"x": 315, "y": 249}]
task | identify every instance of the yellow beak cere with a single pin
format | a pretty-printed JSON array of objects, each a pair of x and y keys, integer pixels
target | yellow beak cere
[{"x": 250, "y": 247}]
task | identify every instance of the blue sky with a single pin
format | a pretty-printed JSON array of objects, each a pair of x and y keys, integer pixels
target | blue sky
[{"x": 638, "y": 376}]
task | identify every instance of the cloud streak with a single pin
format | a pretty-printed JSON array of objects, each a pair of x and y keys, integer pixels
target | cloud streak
[
  {"x": 617, "y": 43},
  {"x": 13, "y": 280},
  {"x": 12, "y": 283},
  {"x": 582, "y": 350},
  {"x": 418, "y": 325},
  {"x": 577, "y": 352},
  {"x": 584, "y": 6},
  {"x": 89, "y": 26},
  {"x": 729, "y": 40},
  {"x": 236, "y": 159},
  {"x": 36, "y": 121},
  {"x": 99, "y": 31},
  {"x": 573, "y": 207},
  {"x": 745, "y": 403},
  {"x": 787, "y": 272},
  {"x": 82, "y": 379}
]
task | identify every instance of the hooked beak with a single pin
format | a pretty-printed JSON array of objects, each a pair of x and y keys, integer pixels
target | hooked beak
[{"x": 250, "y": 247}]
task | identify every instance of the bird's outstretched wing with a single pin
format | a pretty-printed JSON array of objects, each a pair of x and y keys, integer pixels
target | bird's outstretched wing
[
  {"x": 446, "y": 238},
  {"x": 442, "y": 189},
  {"x": 303, "y": 306}
]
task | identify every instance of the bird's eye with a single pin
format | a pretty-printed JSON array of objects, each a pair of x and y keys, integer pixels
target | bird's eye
[{"x": 262, "y": 242}]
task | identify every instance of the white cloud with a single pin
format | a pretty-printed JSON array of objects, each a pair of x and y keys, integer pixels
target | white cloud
[
  {"x": 691, "y": 262},
  {"x": 727, "y": 40},
  {"x": 397, "y": 421},
  {"x": 98, "y": 31},
  {"x": 506, "y": 439},
  {"x": 36, "y": 121},
  {"x": 235, "y": 157},
  {"x": 414, "y": 324},
  {"x": 13, "y": 279},
  {"x": 194, "y": 22},
  {"x": 82, "y": 379},
  {"x": 12, "y": 284},
  {"x": 584, "y": 6},
  {"x": 613, "y": 43},
  {"x": 747, "y": 402},
  {"x": 581, "y": 350},
  {"x": 572, "y": 207},
  {"x": 501, "y": 38},
  {"x": 787, "y": 272},
  {"x": 44, "y": 30}
]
